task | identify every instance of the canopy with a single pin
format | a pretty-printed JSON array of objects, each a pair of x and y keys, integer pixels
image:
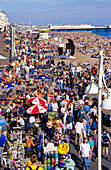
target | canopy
[
  {"x": 37, "y": 101},
  {"x": 62, "y": 56},
  {"x": 34, "y": 73},
  {"x": 8, "y": 86},
  {"x": 43, "y": 77},
  {"x": 35, "y": 109},
  {"x": 49, "y": 57},
  {"x": 14, "y": 63}
]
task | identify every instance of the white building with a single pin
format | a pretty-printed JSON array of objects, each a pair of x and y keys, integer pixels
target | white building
[{"x": 3, "y": 20}]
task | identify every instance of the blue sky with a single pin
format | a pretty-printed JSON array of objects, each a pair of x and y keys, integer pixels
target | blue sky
[{"x": 41, "y": 12}]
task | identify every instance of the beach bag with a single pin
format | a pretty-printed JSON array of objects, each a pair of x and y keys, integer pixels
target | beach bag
[
  {"x": 32, "y": 169},
  {"x": 105, "y": 139}
]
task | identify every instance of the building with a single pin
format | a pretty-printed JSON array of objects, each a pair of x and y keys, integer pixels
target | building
[{"x": 3, "y": 20}]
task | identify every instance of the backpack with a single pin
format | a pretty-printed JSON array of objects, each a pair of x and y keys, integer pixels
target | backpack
[
  {"x": 32, "y": 169},
  {"x": 105, "y": 138}
]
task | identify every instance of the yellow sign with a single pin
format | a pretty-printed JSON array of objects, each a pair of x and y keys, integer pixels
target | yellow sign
[{"x": 63, "y": 148}]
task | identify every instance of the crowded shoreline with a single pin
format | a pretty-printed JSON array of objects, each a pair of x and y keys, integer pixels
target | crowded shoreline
[{"x": 62, "y": 91}]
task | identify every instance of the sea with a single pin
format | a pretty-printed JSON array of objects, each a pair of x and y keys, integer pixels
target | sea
[{"x": 105, "y": 32}]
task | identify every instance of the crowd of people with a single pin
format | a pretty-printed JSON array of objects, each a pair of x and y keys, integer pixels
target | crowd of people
[{"x": 77, "y": 113}]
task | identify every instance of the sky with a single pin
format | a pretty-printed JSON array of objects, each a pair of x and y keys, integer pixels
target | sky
[{"x": 42, "y": 12}]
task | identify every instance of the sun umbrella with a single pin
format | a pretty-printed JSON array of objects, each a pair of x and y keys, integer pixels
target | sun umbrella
[
  {"x": 62, "y": 56},
  {"x": 49, "y": 57},
  {"x": 36, "y": 109},
  {"x": 14, "y": 63},
  {"x": 37, "y": 101},
  {"x": 8, "y": 86},
  {"x": 43, "y": 77},
  {"x": 34, "y": 73}
]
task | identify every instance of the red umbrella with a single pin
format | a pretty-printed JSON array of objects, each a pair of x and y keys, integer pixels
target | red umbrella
[
  {"x": 35, "y": 109},
  {"x": 14, "y": 63},
  {"x": 37, "y": 100}
]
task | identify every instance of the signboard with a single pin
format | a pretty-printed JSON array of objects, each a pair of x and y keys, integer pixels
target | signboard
[
  {"x": 50, "y": 97},
  {"x": 50, "y": 149},
  {"x": 51, "y": 115}
]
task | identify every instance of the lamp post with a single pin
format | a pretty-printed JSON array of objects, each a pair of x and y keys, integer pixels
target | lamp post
[
  {"x": 92, "y": 90},
  {"x": 99, "y": 107},
  {"x": 105, "y": 105}
]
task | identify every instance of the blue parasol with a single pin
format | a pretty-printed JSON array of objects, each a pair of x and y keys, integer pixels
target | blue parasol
[
  {"x": 62, "y": 56},
  {"x": 50, "y": 56},
  {"x": 34, "y": 73},
  {"x": 43, "y": 77},
  {"x": 2, "y": 139},
  {"x": 8, "y": 86}
]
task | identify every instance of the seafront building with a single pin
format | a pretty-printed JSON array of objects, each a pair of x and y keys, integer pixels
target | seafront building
[{"x": 3, "y": 19}]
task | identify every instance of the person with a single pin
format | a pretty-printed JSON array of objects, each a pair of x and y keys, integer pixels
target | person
[
  {"x": 88, "y": 123},
  {"x": 84, "y": 127},
  {"x": 78, "y": 131},
  {"x": 49, "y": 128},
  {"x": 16, "y": 135},
  {"x": 76, "y": 106},
  {"x": 70, "y": 122},
  {"x": 86, "y": 107},
  {"x": 94, "y": 123},
  {"x": 54, "y": 106},
  {"x": 63, "y": 108},
  {"x": 3, "y": 125},
  {"x": 105, "y": 144},
  {"x": 20, "y": 120},
  {"x": 31, "y": 121},
  {"x": 29, "y": 142},
  {"x": 50, "y": 106},
  {"x": 81, "y": 112},
  {"x": 86, "y": 153},
  {"x": 95, "y": 139},
  {"x": 34, "y": 163},
  {"x": 91, "y": 142},
  {"x": 58, "y": 124}
]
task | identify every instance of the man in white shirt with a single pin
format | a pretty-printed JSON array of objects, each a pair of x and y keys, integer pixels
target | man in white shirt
[
  {"x": 78, "y": 131},
  {"x": 63, "y": 108},
  {"x": 21, "y": 120},
  {"x": 86, "y": 153},
  {"x": 94, "y": 110},
  {"x": 81, "y": 102},
  {"x": 54, "y": 106},
  {"x": 31, "y": 121}
]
